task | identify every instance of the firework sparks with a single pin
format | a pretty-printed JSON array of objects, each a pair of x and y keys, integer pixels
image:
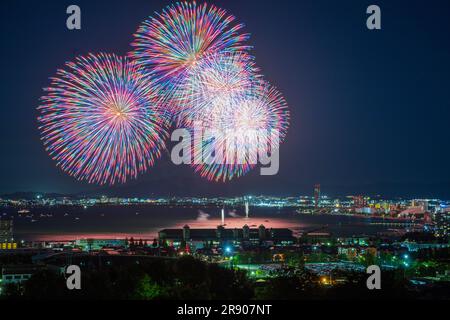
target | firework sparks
[
  {"x": 239, "y": 130},
  {"x": 174, "y": 41},
  {"x": 101, "y": 121},
  {"x": 215, "y": 81},
  {"x": 104, "y": 118}
]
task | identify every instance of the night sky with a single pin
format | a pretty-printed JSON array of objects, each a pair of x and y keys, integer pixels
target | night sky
[{"x": 370, "y": 110}]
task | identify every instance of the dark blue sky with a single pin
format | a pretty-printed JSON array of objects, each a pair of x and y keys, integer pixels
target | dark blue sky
[{"x": 370, "y": 109}]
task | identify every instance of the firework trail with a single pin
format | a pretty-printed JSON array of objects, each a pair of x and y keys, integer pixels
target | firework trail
[
  {"x": 239, "y": 130},
  {"x": 101, "y": 121},
  {"x": 175, "y": 40}
]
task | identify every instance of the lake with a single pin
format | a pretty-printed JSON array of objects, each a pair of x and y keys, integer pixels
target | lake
[{"x": 144, "y": 221}]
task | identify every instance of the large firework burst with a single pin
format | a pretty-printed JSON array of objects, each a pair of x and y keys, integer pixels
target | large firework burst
[
  {"x": 240, "y": 129},
  {"x": 217, "y": 80},
  {"x": 100, "y": 119},
  {"x": 173, "y": 41}
]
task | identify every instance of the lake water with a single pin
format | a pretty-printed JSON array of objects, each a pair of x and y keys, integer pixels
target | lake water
[{"x": 144, "y": 221}]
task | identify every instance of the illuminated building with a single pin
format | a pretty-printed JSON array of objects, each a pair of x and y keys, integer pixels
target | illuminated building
[
  {"x": 348, "y": 251},
  {"x": 316, "y": 237},
  {"x": 6, "y": 235},
  {"x": 19, "y": 273},
  {"x": 442, "y": 220},
  {"x": 6, "y": 230},
  {"x": 317, "y": 195},
  {"x": 200, "y": 238},
  {"x": 359, "y": 201},
  {"x": 186, "y": 233},
  {"x": 8, "y": 245},
  {"x": 97, "y": 244}
]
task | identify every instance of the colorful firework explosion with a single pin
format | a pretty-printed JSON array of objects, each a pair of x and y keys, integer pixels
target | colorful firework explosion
[
  {"x": 216, "y": 80},
  {"x": 169, "y": 44},
  {"x": 104, "y": 118},
  {"x": 101, "y": 121},
  {"x": 239, "y": 130}
]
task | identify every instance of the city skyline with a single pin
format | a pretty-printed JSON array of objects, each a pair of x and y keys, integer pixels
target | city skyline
[{"x": 130, "y": 192}]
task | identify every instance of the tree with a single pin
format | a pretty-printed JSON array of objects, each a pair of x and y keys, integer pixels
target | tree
[
  {"x": 368, "y": 258},
  {"x": 147, "y": 289},
  {"x": 228, "y": 283},
  {"x": 45, "y": 285},
  {"x": 190, "y": 271}
]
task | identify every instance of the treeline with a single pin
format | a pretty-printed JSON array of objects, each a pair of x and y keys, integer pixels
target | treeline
[
  {"x": 184, "y": 278},
  {"x": 188, "y": 278}
]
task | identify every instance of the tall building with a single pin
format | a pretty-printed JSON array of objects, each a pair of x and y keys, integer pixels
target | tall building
[
  {"x": 442, "y": 219},
  {"x": 6, "y": 230},
  {"x": 246, "y": 232},
  {"x": 317, "y": 195},
  {"x": 186, "y": 233},
  {"x": 359, "y": 201},
  {"x": 262, "y": 232}
]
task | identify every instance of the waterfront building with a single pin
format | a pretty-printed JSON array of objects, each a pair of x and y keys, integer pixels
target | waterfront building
[{"x": 200, "y": 238}]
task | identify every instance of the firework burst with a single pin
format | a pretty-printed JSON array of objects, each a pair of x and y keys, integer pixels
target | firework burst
[
  {"x": 101, "y": 121},
  {"x": 216, "y": 80},
  {"x": 104, "y": 118},
  {"x": 240, "y": 130},
  {"x": 173, "y": 41}
]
